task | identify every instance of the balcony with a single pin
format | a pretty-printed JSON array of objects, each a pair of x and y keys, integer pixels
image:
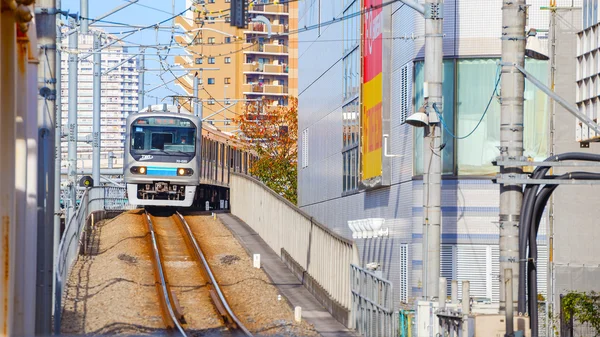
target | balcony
[
  {"x": 276, "y": 29},
  {"x": 266, "y": 89},
  {"x": 267, "y": 69},
  {"x": 265, "y": 48},
  {"x": 269, "y": 8}
]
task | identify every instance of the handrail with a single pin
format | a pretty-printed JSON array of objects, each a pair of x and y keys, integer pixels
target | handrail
[
  {"x": 93, "y": 199},
  {"x": 301, "y": 212},
  {"x": 316, "y": 254}
]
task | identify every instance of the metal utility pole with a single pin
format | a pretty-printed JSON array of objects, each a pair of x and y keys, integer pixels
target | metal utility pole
[
  {"x": 57, "y": 140},
  {"x": 72, "y": 122},
  {"x": 141, "y": 84},
  {"x": 432, "y": 161},
  {"x": 85, "y": 15},
  {"x": 511, "y": 141},
  {"x": 46, "y": 130},
  {"x": 97, "y": 139},
  {"x": 195, "y": 94}
]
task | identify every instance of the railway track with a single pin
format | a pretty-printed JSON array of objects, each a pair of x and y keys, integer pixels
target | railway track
[{"x": 171, "y": 311}]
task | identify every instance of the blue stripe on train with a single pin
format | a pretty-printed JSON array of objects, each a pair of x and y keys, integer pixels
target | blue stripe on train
[{"x": 161, "y": 171}]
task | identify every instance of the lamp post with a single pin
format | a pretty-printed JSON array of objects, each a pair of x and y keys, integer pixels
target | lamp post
[{"x": 432, "y": 11}]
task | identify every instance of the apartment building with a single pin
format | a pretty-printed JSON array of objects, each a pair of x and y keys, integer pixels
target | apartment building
[
  {"x": 238, "y": 65},
  {"x": 375, "y": 61},
  {"x": 119, "y": 98}
]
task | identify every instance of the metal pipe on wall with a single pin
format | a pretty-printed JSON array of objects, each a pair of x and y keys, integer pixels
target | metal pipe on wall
[
  {"x": 96, "y": 134},
  {"x": 72, "y": 122},
  {"x": 7, "y": 168},
  {"x": 511, "y": 138},
  {"x": 25, "y": 232}
]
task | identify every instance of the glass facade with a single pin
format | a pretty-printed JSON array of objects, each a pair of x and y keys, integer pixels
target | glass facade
[{"x": 468, "y": 86}]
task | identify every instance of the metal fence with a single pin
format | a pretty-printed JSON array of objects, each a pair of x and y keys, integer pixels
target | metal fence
[
  {"x": 92, "y": 200},
  {"x": 324, "y": 255},
  {"x": 372, "y": 304}
]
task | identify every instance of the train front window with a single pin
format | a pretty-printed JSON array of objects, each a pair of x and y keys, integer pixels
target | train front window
[{"x": 163, "y": 136}]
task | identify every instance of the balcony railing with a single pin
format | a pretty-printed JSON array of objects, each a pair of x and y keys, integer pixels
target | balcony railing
[
  {"x": 270, "y": 8},
  {"x": 266, "y": 48},
  {"x": 265, "y": 89},
  {"x": 265, "y": 68}
]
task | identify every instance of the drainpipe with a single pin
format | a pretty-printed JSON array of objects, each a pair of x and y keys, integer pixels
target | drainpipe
[{"x": 7, "y": 165}]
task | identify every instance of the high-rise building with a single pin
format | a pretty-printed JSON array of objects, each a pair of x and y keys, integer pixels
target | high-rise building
[
  {"x": 238, "y": 64},
  {"x": 119, "y": 98}
]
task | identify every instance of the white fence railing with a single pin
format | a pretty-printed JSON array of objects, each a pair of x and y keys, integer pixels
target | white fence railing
[
  {"x": 102, "y": 198},
  {"x": 372, "y": 304},
  {"x": 322, "y": 254}
]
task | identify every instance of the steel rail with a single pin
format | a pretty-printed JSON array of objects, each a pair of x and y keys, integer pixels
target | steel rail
[
  {"x": 219, "y": 300},
  {"x": 170, "y": 316}
]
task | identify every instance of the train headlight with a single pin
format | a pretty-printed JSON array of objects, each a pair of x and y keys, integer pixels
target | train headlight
[
  {"x": 138, "y": 170},
  {"x": 185, "y": 171}
]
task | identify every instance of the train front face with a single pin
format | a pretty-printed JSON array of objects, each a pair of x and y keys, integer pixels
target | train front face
[{"x": 162, "y": 163}]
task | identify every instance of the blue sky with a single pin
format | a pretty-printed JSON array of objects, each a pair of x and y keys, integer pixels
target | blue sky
[{"x": 144, "y": 12}]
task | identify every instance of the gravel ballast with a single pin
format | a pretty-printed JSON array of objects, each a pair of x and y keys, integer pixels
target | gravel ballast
[{"x": 111, "y": 289}]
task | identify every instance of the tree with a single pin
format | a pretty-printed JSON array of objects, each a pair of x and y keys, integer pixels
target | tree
[{"x": 272, "y": 133}]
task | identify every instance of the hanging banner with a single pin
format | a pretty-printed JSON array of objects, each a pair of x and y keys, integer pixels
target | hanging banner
[{"x": 372, "y": 91}]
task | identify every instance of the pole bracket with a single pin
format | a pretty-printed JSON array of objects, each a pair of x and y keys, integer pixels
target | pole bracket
[{"x": 433, "y": 11}]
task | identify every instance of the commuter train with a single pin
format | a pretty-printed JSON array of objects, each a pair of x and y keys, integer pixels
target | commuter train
[{"x": 168, "y": 162}]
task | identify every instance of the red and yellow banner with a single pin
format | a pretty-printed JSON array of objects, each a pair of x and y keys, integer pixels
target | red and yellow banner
[{"x": 372, "y": 92}]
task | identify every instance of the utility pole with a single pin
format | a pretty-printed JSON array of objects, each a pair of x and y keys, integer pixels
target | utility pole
[
  {"x": 97, "y": 139},
  {"x": 432, "y": 159},
  {"x": 196, "y": 100},
  {"x": 72, "y": 122},
  {"x": 57, "y": 141},
  {"x": 511, "y": 141},
  {"x": 141, "y": 84},
  {"x": 47, "y": 83},
  {"x": 85, "y": 15}
]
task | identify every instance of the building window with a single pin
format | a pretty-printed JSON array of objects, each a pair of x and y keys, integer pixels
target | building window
[
  {"x": 467, "y": 88},
  {"x": 351, "y": 26},
  {"x": 304, "y": 148},
  {"x": 227, "y": 80},
  {"x": 211, "y": 60},
  {"x": 198, "y": 60},
  {"x": 211, "y": 101},
  {"x": 227, "y": 60},
  {"x": 351, "y": 74},
  {"x": 198, "y": 41},
  {"x": 227, "y": 39},
  {"x": 211, "y": 80},
  {"x": 211, "y": 40},
  {"x": 351, "y": 127}
]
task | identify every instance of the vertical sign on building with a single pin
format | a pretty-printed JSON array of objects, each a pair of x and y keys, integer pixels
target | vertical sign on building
[{"x": 372, "y": 90}]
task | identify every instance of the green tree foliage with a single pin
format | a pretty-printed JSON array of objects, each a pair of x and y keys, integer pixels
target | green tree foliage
[
  {"x": 272, "y": 133},
  {"x": 584, "y": 307}
]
